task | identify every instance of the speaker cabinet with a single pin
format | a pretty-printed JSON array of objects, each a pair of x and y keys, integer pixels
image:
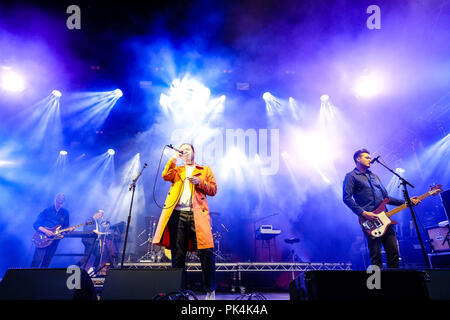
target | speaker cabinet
[
  {"x": 353, "y": 285},
  {"x": 45, "y": 284},
  {"x": 141, "y": 284}
]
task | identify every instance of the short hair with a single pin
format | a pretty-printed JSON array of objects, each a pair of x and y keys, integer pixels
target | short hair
[
  {"x": 358, "y": 153},
  {"x": 192, "y": 147}
]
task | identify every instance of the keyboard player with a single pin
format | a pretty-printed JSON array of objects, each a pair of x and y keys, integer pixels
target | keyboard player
[{"x": 94, "y": 247}]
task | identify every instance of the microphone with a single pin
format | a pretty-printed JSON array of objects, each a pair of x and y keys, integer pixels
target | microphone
[
  {"x": 374, "y": 159},
  {"x": 173, "y": 148}
]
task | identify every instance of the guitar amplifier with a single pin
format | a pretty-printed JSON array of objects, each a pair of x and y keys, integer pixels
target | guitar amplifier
[
  {"x": 445, "y": 197},
  {"x": 439, "y": 238}
]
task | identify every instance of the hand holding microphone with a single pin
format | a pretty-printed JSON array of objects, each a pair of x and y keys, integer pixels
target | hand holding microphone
[{"x": 177, "y": 155}]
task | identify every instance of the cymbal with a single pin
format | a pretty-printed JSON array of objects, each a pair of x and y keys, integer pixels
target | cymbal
[{"x": 292, "y": 240}]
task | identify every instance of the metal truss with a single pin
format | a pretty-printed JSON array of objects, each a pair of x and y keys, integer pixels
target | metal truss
[
  {"x": 238, "y": 268},
  {"x": 248, "y": 266}
]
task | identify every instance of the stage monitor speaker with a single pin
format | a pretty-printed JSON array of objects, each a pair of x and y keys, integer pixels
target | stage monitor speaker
[
  {"x": 438, "y": 284},
  {"x": 440, "y": 260},
  {"x": 45, "y": 284},
  {"x": 445, "y": 197},
  {"x": 352, "y": 285},
  {"x": 141, "y": 284}
]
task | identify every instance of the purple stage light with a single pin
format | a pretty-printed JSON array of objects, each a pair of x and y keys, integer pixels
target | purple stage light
[
  {"x": 368, "y": 86},
  {"x": 11, "y": 80}
]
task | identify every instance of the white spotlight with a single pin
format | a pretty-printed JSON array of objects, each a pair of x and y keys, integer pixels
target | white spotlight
[
  {"x": 266, "y": 95},
  {"x": 111, "y": 152},
  {"x": 368, "y": 86},
  {"x": 12, "y": 81},
  {"x": 57, "y": 93},
  {"x": 324, "y": 97},
  {"x": 118, "y": 93},
  {"x": 63, "y": 152}
]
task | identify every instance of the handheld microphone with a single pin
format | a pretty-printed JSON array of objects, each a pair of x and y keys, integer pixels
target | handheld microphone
[
  {"x": 374, "y": 159},
  {"x": 173, "y": 148}
]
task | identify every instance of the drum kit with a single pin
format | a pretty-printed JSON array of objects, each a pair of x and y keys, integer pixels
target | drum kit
[{"x": 158, "y": 254}]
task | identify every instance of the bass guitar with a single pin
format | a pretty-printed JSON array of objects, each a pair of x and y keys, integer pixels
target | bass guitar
[
  {"x": 41, "y": 240},
  {"x": 377, "y": 227}
]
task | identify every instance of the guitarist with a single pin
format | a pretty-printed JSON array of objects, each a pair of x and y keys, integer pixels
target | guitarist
[
  {"x": 51, "y": 217},
  {"x": 363, "y": 192}
]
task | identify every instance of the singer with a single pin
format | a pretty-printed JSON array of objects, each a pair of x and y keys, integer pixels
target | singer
[
  {"x": 363, "y": 192},
  {"x": 185, "y": 224}
]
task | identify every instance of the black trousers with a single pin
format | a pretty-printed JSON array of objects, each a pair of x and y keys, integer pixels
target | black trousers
[
  {"x": 43, "y": 256},
  {"x": 390, "y": 244},
  {"x": 182, "y": 228},
  {"x": 91, "y": 249}
]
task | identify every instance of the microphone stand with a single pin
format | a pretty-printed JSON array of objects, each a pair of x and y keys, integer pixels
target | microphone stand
[
  {"x": 404, "y": 183},
  {"x": 131, "y": 188}
]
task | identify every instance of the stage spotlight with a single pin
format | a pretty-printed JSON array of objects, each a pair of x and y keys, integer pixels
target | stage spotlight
[
  {"x": 368, "y": 86},
  {"x": 111, "y": 152},
  {"x": 118, "y": 93},
  {"x": 324, "y": 97},
  {"x": 63, "y": 152},
  {"x": 12, "y": 81},
  {"x": 57, "y": 93},
  {"x": 266, "y": 95},
  {"x": 400, "y": 171}
]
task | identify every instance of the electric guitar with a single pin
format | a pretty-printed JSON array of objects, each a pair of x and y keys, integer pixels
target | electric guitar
[
  {"x": 41, "y": 240},
  {"x": 376, "y": 228}
]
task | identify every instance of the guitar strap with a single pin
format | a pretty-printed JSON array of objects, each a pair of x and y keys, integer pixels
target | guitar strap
[{"x": 370, "y": 183}]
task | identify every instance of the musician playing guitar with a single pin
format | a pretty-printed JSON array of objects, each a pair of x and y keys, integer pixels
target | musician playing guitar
[
  {"x": 51, "y": 217},
  {"x": 363, "y": 192}
]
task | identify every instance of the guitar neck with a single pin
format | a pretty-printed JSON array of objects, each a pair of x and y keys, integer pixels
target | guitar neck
[
  {"x": 404, "y": 206},
  {"x": 78, "y": 225}
]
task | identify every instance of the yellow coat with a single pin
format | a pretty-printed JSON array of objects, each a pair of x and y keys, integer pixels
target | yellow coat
[{"x": 206, "y": 186}]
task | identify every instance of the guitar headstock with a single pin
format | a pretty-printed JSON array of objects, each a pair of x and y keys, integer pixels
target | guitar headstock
[{"x": 436, "y": 189}]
